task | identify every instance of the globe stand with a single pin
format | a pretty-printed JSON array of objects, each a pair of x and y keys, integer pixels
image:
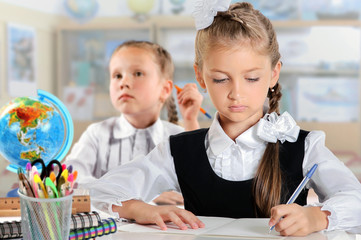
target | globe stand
[{"x": 13, "y": 168}]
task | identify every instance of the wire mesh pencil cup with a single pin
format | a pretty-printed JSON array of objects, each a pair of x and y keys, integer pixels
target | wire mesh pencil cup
[{"x": 45, "y": 218}]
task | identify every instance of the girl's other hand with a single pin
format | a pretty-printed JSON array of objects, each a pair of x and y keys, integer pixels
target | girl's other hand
[
  {"x": 190, "y": 100},
  {"x": 297, "y": 220},
  {"x": 144, "y": 213},
  {"x": 169, "y": 198}
]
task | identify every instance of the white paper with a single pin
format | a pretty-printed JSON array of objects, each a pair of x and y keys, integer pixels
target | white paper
[{"x": 214, "y": 226}]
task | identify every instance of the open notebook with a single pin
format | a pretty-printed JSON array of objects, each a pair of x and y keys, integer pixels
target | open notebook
[{"x": 215, "y": 226}]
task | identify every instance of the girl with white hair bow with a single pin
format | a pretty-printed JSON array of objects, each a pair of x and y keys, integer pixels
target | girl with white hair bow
[{"x": 251, "y": 159}]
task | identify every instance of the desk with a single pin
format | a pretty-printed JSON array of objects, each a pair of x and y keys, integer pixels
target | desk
[
  {"x": 159, "y": 236},
  {"x": 216, "y": 228},
  {"x": 335, "y": 235}
]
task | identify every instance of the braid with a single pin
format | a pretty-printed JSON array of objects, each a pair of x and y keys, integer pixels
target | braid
[
  {"x": 274, "y": 98},
  {"x": 266, "y": 182},
  {"x": 172, "y": 110}
]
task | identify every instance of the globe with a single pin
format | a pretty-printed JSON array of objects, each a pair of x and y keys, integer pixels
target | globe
[
  {"x": 81, "y": 10},
  {"x": 34, "y": 127}
]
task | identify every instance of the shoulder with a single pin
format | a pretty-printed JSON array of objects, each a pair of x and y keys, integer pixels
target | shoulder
[
  {"x": 107, "y": 123},
  {"x": 191, "y": 134},
  {"x": 101, "y": 128},
  {"x": 315, "y": 137},
  {"x": 172, "y": 128}
]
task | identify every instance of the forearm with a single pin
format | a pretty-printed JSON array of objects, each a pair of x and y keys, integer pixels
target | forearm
[{"x": 191, "y": 124}]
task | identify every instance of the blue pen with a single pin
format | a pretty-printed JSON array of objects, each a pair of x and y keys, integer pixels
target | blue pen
[{"x": 299, "y": 189}]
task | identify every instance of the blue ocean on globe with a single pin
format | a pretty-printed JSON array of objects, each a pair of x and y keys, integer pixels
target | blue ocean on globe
[
  {"x": 34, "y": 128},
  {"x": 49, "y": 136}
]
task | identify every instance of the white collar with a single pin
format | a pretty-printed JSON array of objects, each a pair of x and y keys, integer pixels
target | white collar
[
  {"x": 123, "y": 129},
  {"x": 220, "y": 141}
]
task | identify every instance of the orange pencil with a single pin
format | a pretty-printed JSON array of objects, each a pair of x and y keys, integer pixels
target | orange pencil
[{"x": 201, "y": 109}]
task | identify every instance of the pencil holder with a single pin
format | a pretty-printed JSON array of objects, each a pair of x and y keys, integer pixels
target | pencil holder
[{"x": 45, "y": 218}]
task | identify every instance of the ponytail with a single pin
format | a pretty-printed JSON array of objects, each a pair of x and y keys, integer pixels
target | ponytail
[{"x": 267, "y": 184}]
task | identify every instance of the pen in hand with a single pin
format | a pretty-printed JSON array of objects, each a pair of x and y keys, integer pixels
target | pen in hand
[
  {"x": 200, "y": 109},
  {"x": 299, "y": 189}
]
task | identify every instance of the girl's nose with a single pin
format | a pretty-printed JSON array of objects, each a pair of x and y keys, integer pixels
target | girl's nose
[
  {"x": 125, "y": 82},
  {"x": 235, "y": 91}
]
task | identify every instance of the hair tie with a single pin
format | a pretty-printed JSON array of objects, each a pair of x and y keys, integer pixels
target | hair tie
[
  {"x": 205, "y": 11},
  {"x": 273, "y": 127}
]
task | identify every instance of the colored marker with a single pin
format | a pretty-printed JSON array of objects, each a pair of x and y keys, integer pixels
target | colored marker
[
  {"x": 75, "y": 174},
  {"x": 50, "y": 188},
  {"x": 52, "y": 177},
  {"x": 65, "y": 174},
  {"x": 28, "y": 169},
  {"x": 41, "y": 185}
]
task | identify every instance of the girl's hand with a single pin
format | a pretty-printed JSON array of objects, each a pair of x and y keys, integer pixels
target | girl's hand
[
  {"x": 169, "y": 198},
  {"x": 190, "y": 100},
  {"x": 298, "y": 220},
  {"x": 144, "y": 213}
]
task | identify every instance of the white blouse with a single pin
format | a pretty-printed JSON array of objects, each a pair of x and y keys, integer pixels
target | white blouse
[
  {"x": 112, "y": 142},
  {"x": 336, "y": 186}
]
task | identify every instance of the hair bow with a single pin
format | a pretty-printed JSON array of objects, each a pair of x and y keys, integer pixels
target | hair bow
[
  {"x": 205, "y": 10},
  {"x": 273, "y": 127}
]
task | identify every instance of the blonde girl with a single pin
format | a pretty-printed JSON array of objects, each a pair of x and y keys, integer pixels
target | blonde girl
[
  {"x": 141, "y": 75},
  {"x": 251, "y": 159}
]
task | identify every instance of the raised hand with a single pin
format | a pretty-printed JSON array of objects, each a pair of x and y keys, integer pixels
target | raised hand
[{"x": 190, "y": 100}]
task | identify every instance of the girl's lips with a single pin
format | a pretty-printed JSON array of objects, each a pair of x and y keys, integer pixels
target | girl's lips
[
  {"x": 237, "y": 108},
  {"x": 125, "y": 97}
]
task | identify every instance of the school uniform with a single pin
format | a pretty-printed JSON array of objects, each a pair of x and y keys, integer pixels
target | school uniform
[
  {"x": 112, "y": 142},
  {"x": 173, "y": 165},
  {"x": 207, "y": 194}
]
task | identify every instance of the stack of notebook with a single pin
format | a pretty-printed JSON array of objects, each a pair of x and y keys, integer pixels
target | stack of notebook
[{"x": 82, "y": 226}]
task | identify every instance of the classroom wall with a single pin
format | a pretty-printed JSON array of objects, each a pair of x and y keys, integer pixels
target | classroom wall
[
  {"x": 344, "y": 138},
  {"x": 44, "y": 25}
]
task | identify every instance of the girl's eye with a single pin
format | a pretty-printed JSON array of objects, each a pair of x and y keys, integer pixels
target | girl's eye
[
  {"x": 118, "y": 76},
  {"x": 138, "y": 74},
  {"x": 252, "y": 79},
  {"x": 220, "y": 80}
]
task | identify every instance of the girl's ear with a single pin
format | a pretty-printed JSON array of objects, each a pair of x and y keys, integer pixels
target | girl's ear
[
  {"x": 167, "y": 90},
  {"x": 275, "y": 74},
  {"x": 199, "y": 77}
]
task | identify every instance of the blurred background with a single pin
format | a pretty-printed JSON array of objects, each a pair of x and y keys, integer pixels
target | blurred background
[{"x": 63, "y": 47}]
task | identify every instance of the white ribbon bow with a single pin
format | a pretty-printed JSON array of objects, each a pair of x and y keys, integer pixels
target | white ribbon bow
[
  {"x": 205, "y": 10},
  {"x": 273, "y": 127}
]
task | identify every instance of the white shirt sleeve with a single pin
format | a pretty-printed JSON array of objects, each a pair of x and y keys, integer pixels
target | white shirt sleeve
[
  {"x": 338, "y": 189},
  {"x": 83, "y": 156},
  {"x": 144, "y": 178}
]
